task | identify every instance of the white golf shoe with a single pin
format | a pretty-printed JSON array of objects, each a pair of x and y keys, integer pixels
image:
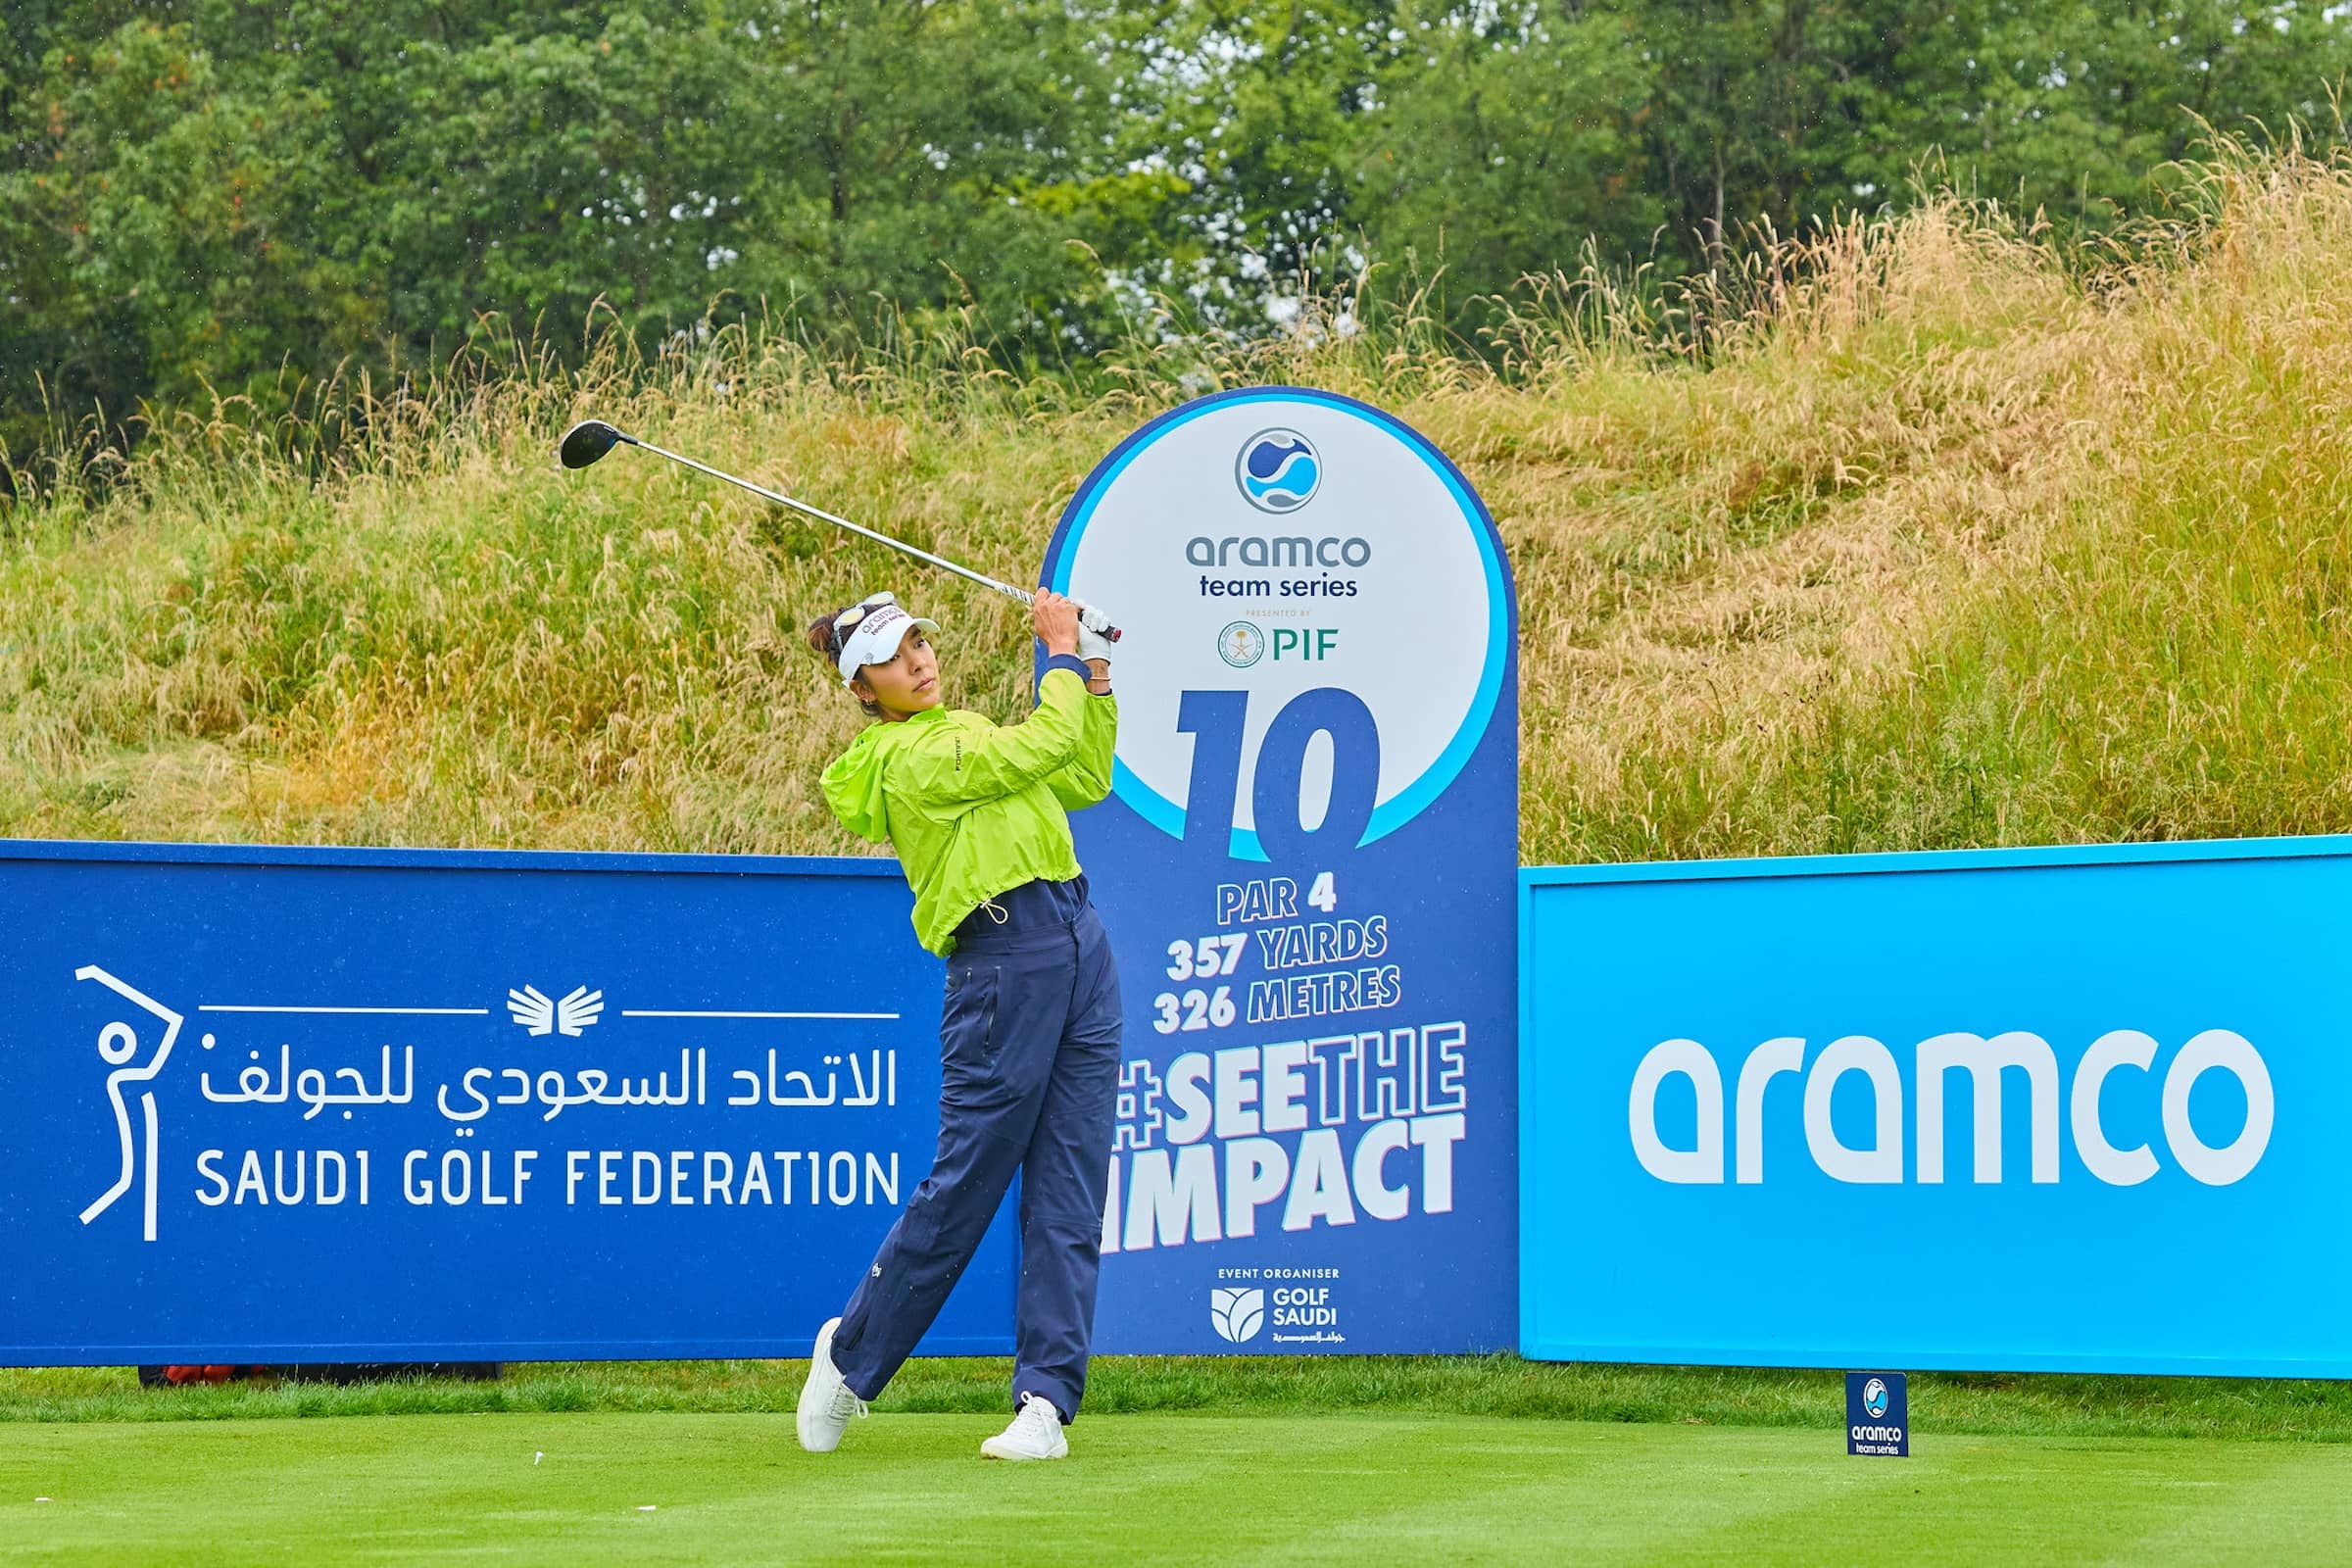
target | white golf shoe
[
  {"x": 827, "y": 1405},
  {"x": 1035, "y": 1434}
]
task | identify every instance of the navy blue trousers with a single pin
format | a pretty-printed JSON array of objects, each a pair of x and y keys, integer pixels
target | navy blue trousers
[{"x": 1029, "y": 1047}]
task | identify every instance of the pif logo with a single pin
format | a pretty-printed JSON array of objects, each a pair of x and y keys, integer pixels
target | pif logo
[
  {"x": 1237, "y": 1315},
  {"x": 1244, "y": 643},
  {"x": 1307, "y": 643},
  {"x": 1278, "y": 470}
]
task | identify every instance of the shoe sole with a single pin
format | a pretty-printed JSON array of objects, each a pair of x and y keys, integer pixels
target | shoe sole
[{"x": 988, "y": 1451}]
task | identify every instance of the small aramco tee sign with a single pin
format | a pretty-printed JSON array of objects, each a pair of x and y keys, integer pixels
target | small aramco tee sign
[{"x": 1878, "y": 1414}]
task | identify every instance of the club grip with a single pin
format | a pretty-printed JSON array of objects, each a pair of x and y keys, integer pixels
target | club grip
[{"x": 1098, "y": 622}]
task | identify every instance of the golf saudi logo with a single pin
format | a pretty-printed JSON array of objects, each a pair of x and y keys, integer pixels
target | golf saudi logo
[
  {"x": 1278, "y": 470},
  {"x": 1237, "y": 1315},
  {"x": 1874, "y": 1398}
]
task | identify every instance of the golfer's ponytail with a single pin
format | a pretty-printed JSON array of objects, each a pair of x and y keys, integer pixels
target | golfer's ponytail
[
  {"x": 824, "y": 636},
  {"x": 824, "y": 640}
]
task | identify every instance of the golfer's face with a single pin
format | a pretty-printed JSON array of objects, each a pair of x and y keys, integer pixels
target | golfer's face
[{"x": 908, "y": 682}]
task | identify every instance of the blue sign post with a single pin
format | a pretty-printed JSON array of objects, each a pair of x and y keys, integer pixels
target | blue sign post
[
  {"x": 1306, "y": 864},
  {"x": 1878, "y": 1414},
  {"x": 273, "y": 1104}
]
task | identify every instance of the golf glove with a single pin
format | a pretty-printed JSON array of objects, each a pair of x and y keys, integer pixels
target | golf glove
[{"x": 1092, "y": 624}]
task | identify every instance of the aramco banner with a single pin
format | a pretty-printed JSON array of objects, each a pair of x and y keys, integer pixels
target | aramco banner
[
  {"x": 2037, "y": 1109},
  {"x": 273, "y": 1104},
  {"x": 1306, "y": 867}
]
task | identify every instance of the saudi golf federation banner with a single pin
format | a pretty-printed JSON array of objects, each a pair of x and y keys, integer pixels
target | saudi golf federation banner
[
  {"x": 286, "y": 1105},
  {"x": 2063, "y": 1110},
  {"x": 1307, "y": 867}
]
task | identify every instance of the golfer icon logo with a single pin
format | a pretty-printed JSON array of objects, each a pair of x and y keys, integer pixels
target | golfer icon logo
[
  {"x": 1278, "y": 470},
  {"x": 1237, "y": 1315},
  {"x": 118, "y": 1049},
  {"x": 1874, "y": 1398}
]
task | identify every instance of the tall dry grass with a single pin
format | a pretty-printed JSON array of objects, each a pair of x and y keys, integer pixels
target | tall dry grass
[{"x": 1912, "y": 532}]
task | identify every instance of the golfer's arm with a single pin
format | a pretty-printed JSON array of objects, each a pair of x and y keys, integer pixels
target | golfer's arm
[
  {"x": 981, "y": 765},
  {"x": 1085, "y": 778}
]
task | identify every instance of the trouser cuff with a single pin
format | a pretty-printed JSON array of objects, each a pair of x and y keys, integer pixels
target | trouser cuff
[{"x": 1063, "y": 1396}]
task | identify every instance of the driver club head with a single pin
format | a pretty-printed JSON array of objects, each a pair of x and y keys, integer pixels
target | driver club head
[{"x": 587, "y": 441}]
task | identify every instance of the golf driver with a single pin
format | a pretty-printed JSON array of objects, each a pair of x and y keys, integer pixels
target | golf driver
[{"x": 591, "y": 439}]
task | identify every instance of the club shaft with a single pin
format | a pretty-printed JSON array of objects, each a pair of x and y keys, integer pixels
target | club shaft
[{"x": 822, "y": 516}]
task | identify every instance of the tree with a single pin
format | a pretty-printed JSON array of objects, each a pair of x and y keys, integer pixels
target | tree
[{"x": 1503, "y": 144}]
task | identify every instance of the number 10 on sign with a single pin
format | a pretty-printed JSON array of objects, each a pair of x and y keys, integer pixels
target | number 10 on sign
[{"x": 1216, "y": 721}]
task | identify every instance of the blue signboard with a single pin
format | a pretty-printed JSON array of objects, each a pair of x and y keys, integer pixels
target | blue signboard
[
  {"x": 1878, "y": 1414},
  {"x": 2039, "y": 1110},
  {"x": 1306, "y": 868},
  {"x": 271, "y": 1104}
]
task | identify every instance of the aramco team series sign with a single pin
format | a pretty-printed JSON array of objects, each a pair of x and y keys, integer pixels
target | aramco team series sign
[{"x": 1307, "y": 864}]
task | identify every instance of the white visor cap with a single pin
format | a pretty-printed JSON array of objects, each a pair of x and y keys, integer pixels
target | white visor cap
[{"x": 871, "y": 632}]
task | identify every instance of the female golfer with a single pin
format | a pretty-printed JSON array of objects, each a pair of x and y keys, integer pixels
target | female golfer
[{"x": 1029, "y": 1034}]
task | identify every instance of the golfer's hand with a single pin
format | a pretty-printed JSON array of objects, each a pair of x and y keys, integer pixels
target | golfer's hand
[
  {"x": 1093, "y": 645},
  {"x": 1057, "y": 622}
]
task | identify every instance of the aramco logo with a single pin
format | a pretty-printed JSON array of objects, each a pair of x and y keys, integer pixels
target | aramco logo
[{"x": 1278, "y": 470}]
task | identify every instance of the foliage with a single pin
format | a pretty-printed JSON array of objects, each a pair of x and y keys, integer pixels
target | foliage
[
  {"x": 223, "y": 197},
  {"x": 1914, "y": 533}
]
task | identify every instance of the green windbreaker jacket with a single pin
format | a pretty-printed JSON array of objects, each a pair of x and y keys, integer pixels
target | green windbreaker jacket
[{"x": 974, "y": 809}]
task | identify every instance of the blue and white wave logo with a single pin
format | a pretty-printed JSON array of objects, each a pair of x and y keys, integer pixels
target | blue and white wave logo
[
  {"x": 1278, "y": 470},
  {"x": 1874, "y": 1398},
  {"x": 1237, "y": 1315}
]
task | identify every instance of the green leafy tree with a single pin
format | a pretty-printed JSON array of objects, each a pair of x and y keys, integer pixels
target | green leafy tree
[
  {"x": 158, "y": 241},
  {"x": 943, "y": 156},
  {"x": 2074, "y": 108},
  {"x": 530, "y": 173},
  {"x": 1503, "y": 144},
  {"x": 227, "y": 196}
]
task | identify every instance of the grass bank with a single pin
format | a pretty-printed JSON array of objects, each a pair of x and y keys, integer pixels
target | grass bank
[{"x": 1942, "y": 537}]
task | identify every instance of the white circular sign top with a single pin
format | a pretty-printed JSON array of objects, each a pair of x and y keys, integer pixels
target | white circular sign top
[{"x": 1277, "y": 540}]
